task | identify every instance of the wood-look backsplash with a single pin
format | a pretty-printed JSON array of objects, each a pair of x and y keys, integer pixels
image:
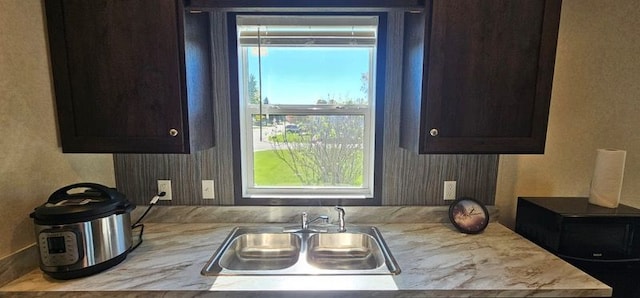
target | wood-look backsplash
[{"x": 408, "y": 178}]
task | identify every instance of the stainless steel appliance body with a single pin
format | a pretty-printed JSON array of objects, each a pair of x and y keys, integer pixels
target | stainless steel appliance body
[
  {"x": 85, "y": 243},
  {"x": 82, "y": 234}
]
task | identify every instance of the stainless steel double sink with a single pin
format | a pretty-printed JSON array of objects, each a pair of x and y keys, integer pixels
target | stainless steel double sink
[{"x": 272, "y": 251}]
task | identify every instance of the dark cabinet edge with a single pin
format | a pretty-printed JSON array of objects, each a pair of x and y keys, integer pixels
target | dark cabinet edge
[
  {"x": 288, "y": 4},
  {"x": 414, "y": 46},
  {"x": 198, "y": 79},
  {"x": 546, "y": 64},
  {"x": 59, "y": 64},
  {"x": 484, "y": 146},
  {"x": 87, "y": 146}
]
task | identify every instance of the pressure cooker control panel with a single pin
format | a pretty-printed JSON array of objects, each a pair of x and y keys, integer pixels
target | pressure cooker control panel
[{"x": 59, "y": 247}]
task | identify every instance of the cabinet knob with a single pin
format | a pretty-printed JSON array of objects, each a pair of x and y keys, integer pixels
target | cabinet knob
[
  {"x": 433, "y": 132},
  {"x": 173, "y": 132}
]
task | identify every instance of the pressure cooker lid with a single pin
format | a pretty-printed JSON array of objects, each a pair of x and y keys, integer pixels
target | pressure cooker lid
[{"x": 96, "y": 201}]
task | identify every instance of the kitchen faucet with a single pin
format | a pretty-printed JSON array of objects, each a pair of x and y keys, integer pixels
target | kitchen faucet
[{"x": 306, "y": 222}]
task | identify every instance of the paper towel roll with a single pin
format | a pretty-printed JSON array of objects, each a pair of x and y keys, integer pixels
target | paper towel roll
[{"x": 606, "y": 184}]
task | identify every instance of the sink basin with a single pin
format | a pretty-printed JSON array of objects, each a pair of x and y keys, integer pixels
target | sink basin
[
  {"x": 261, "y": 251},
  {"x": 344, "y": 251},
  {"x": 271, "y": 251}
]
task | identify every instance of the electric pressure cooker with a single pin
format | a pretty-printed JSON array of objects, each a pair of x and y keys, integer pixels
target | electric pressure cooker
[{"x": 82, "y": 233}]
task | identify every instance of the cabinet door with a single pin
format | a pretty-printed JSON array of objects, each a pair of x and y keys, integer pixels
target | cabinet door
[
  {"x": 478, "y": 76},
  {"x": 118, "y": 75}
]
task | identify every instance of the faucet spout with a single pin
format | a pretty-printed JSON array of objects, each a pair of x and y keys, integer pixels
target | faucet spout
[
  {"x": 305, "y": 222},
  {"x": 341, "y": 223}
]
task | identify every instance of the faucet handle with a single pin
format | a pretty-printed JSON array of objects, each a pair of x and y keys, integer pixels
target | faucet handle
[
  {"x": 341, "y": 226},
  {"x": 304, "y": 220}
]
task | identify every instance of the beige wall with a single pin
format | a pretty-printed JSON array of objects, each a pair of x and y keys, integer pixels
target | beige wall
[
  {"x": 595, "y": 104},
  {"x": 32, "y": 165}
]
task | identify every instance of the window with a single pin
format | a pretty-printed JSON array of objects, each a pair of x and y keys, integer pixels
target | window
[{"x": 306, "y": 104}]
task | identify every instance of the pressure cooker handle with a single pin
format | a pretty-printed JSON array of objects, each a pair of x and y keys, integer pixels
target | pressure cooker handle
[{"x": 62, "y": 193}]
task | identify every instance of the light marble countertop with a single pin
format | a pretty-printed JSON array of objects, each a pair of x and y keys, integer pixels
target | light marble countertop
[{"x": 435, "y": 260}]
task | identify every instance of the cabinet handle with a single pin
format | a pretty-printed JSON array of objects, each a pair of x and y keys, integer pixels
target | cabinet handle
[
  {"x": 433, "y": 132},
  {"x": 173, "y": 132}
]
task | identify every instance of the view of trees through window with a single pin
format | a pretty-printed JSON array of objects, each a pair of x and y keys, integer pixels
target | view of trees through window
[{"x": 306, "y": 105}]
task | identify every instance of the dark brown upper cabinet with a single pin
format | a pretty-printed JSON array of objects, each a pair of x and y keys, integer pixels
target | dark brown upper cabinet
[
  {"x": 256, "y": 5},
  {"x": 131, "y": 76},
  {"x": 477, "y": 76}
]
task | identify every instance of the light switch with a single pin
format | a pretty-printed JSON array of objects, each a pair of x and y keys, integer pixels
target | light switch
[
  {"x": 207, "y": 190},
  {"x": 449, "y": 190}
]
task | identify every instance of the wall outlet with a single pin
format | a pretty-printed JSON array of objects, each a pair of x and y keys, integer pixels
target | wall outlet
[
  {"x": 165, "y": 185},
  {"x": 449, "y": 190},
  {"x": 207, "y": 190}
]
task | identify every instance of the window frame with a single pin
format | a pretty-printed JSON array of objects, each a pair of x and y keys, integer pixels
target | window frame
[{"x": 377, "y": 113}]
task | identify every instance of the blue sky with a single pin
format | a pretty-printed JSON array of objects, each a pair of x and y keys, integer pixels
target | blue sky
[{"x": 302, "y": 75}]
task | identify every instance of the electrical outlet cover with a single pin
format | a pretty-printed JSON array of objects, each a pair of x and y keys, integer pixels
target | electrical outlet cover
[
  {"x": 207, "y": 190},
  {"x": 165, "y": 185},
  {"x": 449, "y": 190}
]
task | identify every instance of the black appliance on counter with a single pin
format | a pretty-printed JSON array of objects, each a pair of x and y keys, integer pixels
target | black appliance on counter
[{"x": 603, "y": 242}]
